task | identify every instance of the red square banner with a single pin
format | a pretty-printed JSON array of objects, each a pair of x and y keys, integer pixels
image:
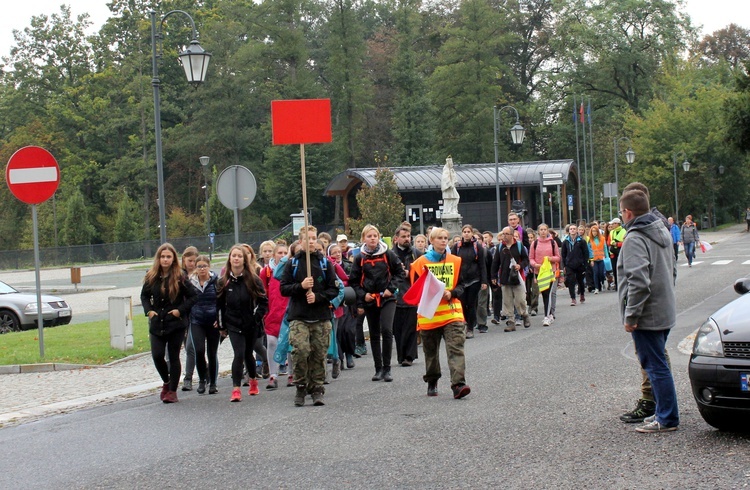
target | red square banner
[{"x": 298, "y": 122}]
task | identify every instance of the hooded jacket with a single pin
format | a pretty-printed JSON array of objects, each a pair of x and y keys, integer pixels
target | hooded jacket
[
  {"x": 153, "y": 299},
  {"x": 374, "y": 272},
  {"x": 239, "y": 311},
  {"x": 204, "y": 309},
  {"x": 646, "y": 275},
  {"x": 407, "y": 255},
  {"x": 325, "y": 287},
  {"x": 473, "y": 266}
]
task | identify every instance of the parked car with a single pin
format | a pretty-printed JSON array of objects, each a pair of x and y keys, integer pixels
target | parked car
[
  {"x": 18, "y": 311},
  {"x": 719, "y": 367}
]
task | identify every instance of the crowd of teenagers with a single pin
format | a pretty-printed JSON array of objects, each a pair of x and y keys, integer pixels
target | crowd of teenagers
[{"x": 285, "y": 312}]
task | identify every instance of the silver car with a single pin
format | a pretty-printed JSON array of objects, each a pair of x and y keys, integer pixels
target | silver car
[{"x": 18, "y": 311}]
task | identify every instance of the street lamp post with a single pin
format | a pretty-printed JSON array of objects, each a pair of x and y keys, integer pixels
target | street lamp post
[
  {"x": 686, "y": 167},
  {"x": 629, "y": 157},
  {"x": 206, "y": 172},
  {"x": 194, "y": 61},
  {"x": 517, "y": 134}
]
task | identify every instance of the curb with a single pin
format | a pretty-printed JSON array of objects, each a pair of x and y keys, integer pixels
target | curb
[{"x": 47, "y": 367}]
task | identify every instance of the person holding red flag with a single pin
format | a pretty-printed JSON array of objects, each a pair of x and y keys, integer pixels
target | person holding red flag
[{"x": 448, "y": 321}]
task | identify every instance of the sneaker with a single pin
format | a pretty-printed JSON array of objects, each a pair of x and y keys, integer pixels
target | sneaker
[
  {"x": 170, "y": 397},
  {"x": 546, "y": 322},
  {"x": 551, "y": 319},
  {"x": 299, "y": 396},
  {"x": 212, "y": 390},
  {"x": 236, "y": 395},
  {"x": 583, "y": 300},
  {"x": 336, "y": 369},
  {"x": 164, "y": 391},
  {"x": 653, "y": 427},
  {"x": 283, "y": 370},
  {"x": 290, "y": 380},
  {"x": 572, "y": 302},
  {"x": 201, "y": 387},
  {"x": 272, "y": 383},
  {"x": 265, "y": 370},
  {"x": 596, "y": 291},
  {"x": 643, "y": 409},
  {"x": 534, "y": 313},
  {"x": 482, "y": 328},
  {"x": 495, "y": 321},
  {"x": 519, "y": 322},
  {"x": 510, "y": 327},
  {"x": 650, "y": 419},
  {"x": 432, "y": 388},
  {"x": 187, "y": 385},
  {"x": 469, "y": 333},
  {"x": 406, "y": 363},
  {"x": 318, "y": 397},
  {"x": 526, "y": 321},
  {"x": 460, "y": 391},
  {"x": 253, "y": 387},
  {"x": 349, "y": 361}
]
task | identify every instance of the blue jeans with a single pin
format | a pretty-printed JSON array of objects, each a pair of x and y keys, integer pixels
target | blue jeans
[
  {"x": 689, "y": 251},
  {"x": 649, "y": 346},
  {"x": 599, "y": 274}
]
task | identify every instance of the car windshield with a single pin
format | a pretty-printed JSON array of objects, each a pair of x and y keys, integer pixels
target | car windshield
[{"x": 5, "y": 289}]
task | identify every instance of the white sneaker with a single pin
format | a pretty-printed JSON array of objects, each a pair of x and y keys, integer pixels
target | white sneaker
[
  {"x": 546, "y": 322},
  {"x": 596, "y": 291},
  {"x": 551, "y": 319}
]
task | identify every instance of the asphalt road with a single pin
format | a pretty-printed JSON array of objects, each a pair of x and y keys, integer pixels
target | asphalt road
[{"x": 542, "y": 414}]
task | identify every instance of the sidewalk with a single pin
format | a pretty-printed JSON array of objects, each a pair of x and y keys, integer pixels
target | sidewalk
[{"x": 29, "y": 396}]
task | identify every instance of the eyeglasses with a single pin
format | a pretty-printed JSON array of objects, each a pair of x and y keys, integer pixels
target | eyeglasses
[
  {"x": 619, "y": 213},
  {"x": 201, "y": 267}
]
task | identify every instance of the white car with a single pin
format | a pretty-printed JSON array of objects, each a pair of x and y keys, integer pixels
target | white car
[{"x": 18, "y": 311}]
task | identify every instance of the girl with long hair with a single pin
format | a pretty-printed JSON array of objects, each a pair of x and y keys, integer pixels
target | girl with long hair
[
  {"x": 189, "y": 257},
  {"x": 242, "y": 304},
  {"x": 167, "y": 298},
  {"x": 202, "y": 328},
  {"x": 276, "y": 309}
]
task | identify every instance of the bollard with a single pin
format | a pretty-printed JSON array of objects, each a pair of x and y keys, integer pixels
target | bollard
[{"x": 121, "y": 322}]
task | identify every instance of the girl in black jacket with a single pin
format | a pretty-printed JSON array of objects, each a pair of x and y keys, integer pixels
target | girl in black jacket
[
  {"x": 575, "y": 256},
  {"x": 375, "y": 276},
  {"x": 242, "y": 303},
  {"x": 167, "y": 297},
  {"x": 473, "y": 273}
]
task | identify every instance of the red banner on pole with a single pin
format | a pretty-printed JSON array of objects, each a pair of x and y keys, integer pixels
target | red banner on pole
[{"x": 299, "y": 122}]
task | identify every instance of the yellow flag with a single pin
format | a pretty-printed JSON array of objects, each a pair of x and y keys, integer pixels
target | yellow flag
[{"x": 546, "y": 275}]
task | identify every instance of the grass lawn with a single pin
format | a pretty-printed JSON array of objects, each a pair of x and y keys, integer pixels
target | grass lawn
[{"x": 84, "y": 343}]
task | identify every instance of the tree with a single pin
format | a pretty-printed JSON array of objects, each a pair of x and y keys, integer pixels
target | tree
[
  {"x": 730, "y": 45},
  {"x": 77, "y": 228},
  {"x": 737, "y": 114},
  {"x": 379, "y": 205},
  {"x": 127, "y": 227}
]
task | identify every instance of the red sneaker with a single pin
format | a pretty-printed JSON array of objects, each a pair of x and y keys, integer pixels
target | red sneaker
[
  {"x": 236, "y": 395},
  {"x": 253, "y": 387},
  {"x": 170, "y": 397},
  {"x": 290, "y": 380}
]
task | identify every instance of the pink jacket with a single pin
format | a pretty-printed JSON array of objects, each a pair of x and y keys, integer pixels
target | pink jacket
[
  {"x": 339, "y": 312},
  {"x": 541, "y": 248},
  {"x": 276, "y": 302}
]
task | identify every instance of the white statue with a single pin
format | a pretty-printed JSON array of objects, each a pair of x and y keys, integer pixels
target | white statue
[{"x": 448, "y": 186}]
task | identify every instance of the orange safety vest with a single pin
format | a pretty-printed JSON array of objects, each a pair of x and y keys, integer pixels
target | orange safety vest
[
  {"x": 447, "y": 272},
  {"x": 597, "y": 248}
]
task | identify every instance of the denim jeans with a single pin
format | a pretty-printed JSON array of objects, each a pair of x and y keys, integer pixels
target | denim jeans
[
  {"x": 649, "y": 346},
  {"x": 599, "y": 274},
  {"x": 689, "y": 251}
]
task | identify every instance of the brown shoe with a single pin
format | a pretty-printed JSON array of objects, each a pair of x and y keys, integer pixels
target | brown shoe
[
  {"x": 510, "y": 326},
  {"x": 170, "y": 397}
]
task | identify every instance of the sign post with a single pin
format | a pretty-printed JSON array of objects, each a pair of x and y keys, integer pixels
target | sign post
[
  {"x": 299, "y": 122},
  {"x": 32, "y": 175},
  {"x": 236, "y": 190}
]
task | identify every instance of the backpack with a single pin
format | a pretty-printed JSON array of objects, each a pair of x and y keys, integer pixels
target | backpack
[
  {"x": 323, "y": 267},
  {"x": 378, "y": 258},
  {"x": 476, "y": 251}
]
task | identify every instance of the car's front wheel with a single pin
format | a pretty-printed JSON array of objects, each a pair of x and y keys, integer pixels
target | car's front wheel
[
  {"x": 723, "y": 421},
  {"x": 9, "y": 322}
]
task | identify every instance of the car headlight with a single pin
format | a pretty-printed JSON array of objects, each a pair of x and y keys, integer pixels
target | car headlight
[
  {"x": 31, "y": 308},
  {"x": 708, "y": 340}
]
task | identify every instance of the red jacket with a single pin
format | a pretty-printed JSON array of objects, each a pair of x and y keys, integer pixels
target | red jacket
[{"x": 276, "y": 302}]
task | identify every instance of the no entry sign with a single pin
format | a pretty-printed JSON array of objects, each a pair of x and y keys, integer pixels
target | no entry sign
[{"x": 32, "y": 174}]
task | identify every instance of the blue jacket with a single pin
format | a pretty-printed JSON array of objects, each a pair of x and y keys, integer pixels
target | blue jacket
[
  {"x": 675, "y": 231},
  {"x": 204, "y": 310}
]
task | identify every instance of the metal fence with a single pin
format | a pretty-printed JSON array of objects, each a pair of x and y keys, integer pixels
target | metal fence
[{"x": 124, "y": 251}]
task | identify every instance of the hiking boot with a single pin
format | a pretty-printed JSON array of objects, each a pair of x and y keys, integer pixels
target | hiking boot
[
  {"x": 482, "y": 328},
  {"x": 187, "y": 385},
  {"x": 164, "y": 390},
  {"x": 253, "y": 387},
  {"x": 201, "y": 387},
  {"x": 318, "y": 397},
  {"x": 387, "y": 375},
  {"x": 272, "y": 383},
  {"x": 299, "y": 396},
  {"x": 378, "y": 375},
  {"x": 170, "y": 397},
  {"x": 643, "y": 409},
  {"x": 336, "y": 369},
  {"x": 510, "y": 326},
  {"x": 349, "y": 361},
  {"x": 236, "y": 395},
  {"x": 432, "y": 388},
  {"x": 265, "y": 370},
  {"x": 653, "y": 427},
  {"x": 469, "y": 333},
  {"x": 460, "y": 391},
  {"x": 360, "y": 350},
  {"x": 212, "y": 390},
  {"x": 526, "y": 321},
  {"x": 407, "y": 362}
]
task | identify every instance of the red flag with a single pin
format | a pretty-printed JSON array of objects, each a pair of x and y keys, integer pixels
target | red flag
[
  {"x": 414, "y": 294},
  {"x": 298, "y": 122},
  {"x": 581, "y": 112}
]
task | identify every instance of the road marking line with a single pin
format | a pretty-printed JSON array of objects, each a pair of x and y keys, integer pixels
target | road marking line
[
  {"x": 747, "y": 262},
  {"x": 722, "y": 262},
  {"x": 32, "y": 175}
]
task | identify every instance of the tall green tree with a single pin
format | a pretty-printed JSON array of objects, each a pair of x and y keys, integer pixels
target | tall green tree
[
  {"x": 379, "y": 205},
  {"x": 77, "y": 228}
]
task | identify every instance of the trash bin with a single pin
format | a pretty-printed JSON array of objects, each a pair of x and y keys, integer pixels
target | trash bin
[
  {"x": 75, "y": 275},
  {"x": 704, "y": 222},
  {"x": 121, "y": 322}
]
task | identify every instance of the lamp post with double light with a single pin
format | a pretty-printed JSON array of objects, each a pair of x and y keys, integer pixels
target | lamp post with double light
[
  {"x": 194, "y": 61},
  {"x": 686, "y": 167},
  {"x": 517, "y": 134},
  {"x": 629, "y": 157}
]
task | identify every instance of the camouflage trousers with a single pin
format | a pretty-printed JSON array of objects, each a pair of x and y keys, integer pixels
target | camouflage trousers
[
  {"x": 309, "y": 348},
  {"x": 455, "y": 336}
]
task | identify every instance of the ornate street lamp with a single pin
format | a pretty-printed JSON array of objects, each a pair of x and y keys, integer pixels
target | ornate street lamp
[
  {"x": 517, "y": 134},
  {"x": 194, "y": 60},
  {"x": 686, "y": 167},
  {"x": 629, "y": 157}
]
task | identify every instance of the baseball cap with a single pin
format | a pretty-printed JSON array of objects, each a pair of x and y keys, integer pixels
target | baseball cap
[
  {"x": 615, "y": 221},
  {"x": 341, "y": 238}
]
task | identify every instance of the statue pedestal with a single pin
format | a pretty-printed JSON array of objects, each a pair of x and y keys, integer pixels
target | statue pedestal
[{"x": 452, "y": 223}]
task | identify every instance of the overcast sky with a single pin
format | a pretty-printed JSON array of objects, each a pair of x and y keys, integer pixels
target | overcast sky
[{"x": 711, "y": 14}]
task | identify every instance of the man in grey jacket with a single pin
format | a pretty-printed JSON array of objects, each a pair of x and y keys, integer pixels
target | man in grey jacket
[{"x": 646, "y": 271}]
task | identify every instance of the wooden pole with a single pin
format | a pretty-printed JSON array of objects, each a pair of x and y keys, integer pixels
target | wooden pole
[{"x": 304, "y": 207}]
